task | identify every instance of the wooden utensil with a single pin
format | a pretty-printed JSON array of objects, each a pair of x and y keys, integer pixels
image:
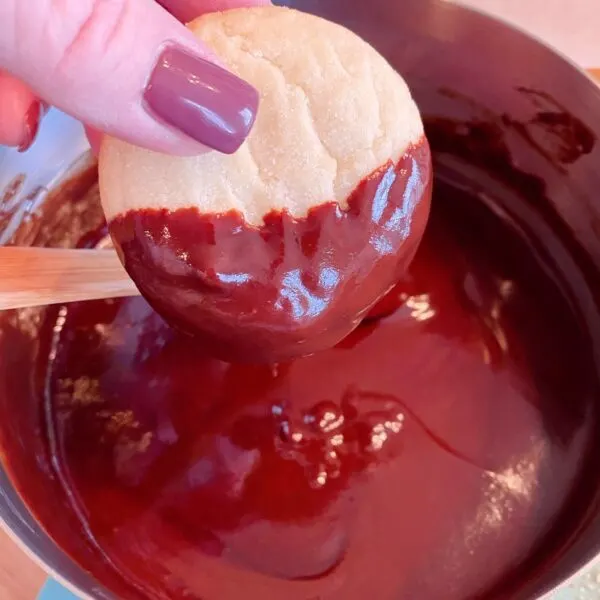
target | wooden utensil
[{"x": 39, "y": 276}]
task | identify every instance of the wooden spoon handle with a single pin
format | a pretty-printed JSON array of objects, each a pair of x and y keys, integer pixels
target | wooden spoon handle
[{"x": 39, "y": 276}]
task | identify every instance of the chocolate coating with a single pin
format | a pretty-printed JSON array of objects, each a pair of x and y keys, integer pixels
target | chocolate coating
[{"x": 291, "y": 286}]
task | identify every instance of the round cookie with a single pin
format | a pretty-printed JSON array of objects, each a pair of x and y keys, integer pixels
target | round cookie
[{"x": 279, "y": 249}]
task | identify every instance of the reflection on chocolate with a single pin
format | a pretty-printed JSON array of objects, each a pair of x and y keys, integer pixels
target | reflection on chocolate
[{"x": 290, "y": 287}]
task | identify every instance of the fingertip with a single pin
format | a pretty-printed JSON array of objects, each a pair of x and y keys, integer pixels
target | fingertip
[{"x": 128, "y": 102}]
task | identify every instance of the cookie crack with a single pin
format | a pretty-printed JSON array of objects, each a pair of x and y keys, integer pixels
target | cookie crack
[{"x": 291, "y": 84}]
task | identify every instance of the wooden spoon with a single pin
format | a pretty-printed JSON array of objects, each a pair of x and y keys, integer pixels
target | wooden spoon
[{"x": 40, "y": 276}]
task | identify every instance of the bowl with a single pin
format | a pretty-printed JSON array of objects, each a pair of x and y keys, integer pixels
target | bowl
[{"x": 467, "y": 71}]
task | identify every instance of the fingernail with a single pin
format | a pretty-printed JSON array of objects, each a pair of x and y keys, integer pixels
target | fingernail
[
  {"x": 33, "y": 117},
  {"x": 202, "y": 100}
]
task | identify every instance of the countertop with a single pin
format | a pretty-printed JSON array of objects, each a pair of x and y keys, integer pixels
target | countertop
[{"x": 20, "y": 578}]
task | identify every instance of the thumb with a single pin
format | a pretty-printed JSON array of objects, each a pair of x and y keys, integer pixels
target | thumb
[{"x": 128, "y": 68}]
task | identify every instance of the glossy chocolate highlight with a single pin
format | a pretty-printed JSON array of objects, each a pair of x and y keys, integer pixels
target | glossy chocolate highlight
[{"x": 290, "y": 287}]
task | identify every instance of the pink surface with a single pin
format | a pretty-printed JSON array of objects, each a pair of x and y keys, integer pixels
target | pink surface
[{"x": 572, "y": 26}]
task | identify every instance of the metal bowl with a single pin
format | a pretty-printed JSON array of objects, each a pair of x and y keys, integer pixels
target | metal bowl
[{"x": 461, "y": 65}]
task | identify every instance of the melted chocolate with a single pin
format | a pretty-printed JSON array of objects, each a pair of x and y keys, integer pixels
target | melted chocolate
[
  {"x": 435, "y": 438},
  {"x": 438, "y": 451},
  {"x": 291, "y": 286}
]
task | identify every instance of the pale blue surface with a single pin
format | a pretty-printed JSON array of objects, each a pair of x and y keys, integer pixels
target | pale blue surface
[{"x": 54, "y": 591}]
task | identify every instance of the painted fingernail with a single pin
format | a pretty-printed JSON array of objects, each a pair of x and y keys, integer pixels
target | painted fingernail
[
  {"x": 202, "y": 100},
  {"x": 33, "y": 117}
]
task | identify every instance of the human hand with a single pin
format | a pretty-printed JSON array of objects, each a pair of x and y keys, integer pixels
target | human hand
[{"x": 128, "y": 68}]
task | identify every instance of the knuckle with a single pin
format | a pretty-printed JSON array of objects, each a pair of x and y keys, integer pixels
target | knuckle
[{"x": 90, "y": 30}]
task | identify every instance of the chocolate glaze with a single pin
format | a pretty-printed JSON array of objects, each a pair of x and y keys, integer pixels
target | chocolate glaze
[{"x": 291, "y": 286}]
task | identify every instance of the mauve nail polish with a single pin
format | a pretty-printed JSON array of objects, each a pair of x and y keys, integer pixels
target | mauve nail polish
[{"x": 204, "y": 101}]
